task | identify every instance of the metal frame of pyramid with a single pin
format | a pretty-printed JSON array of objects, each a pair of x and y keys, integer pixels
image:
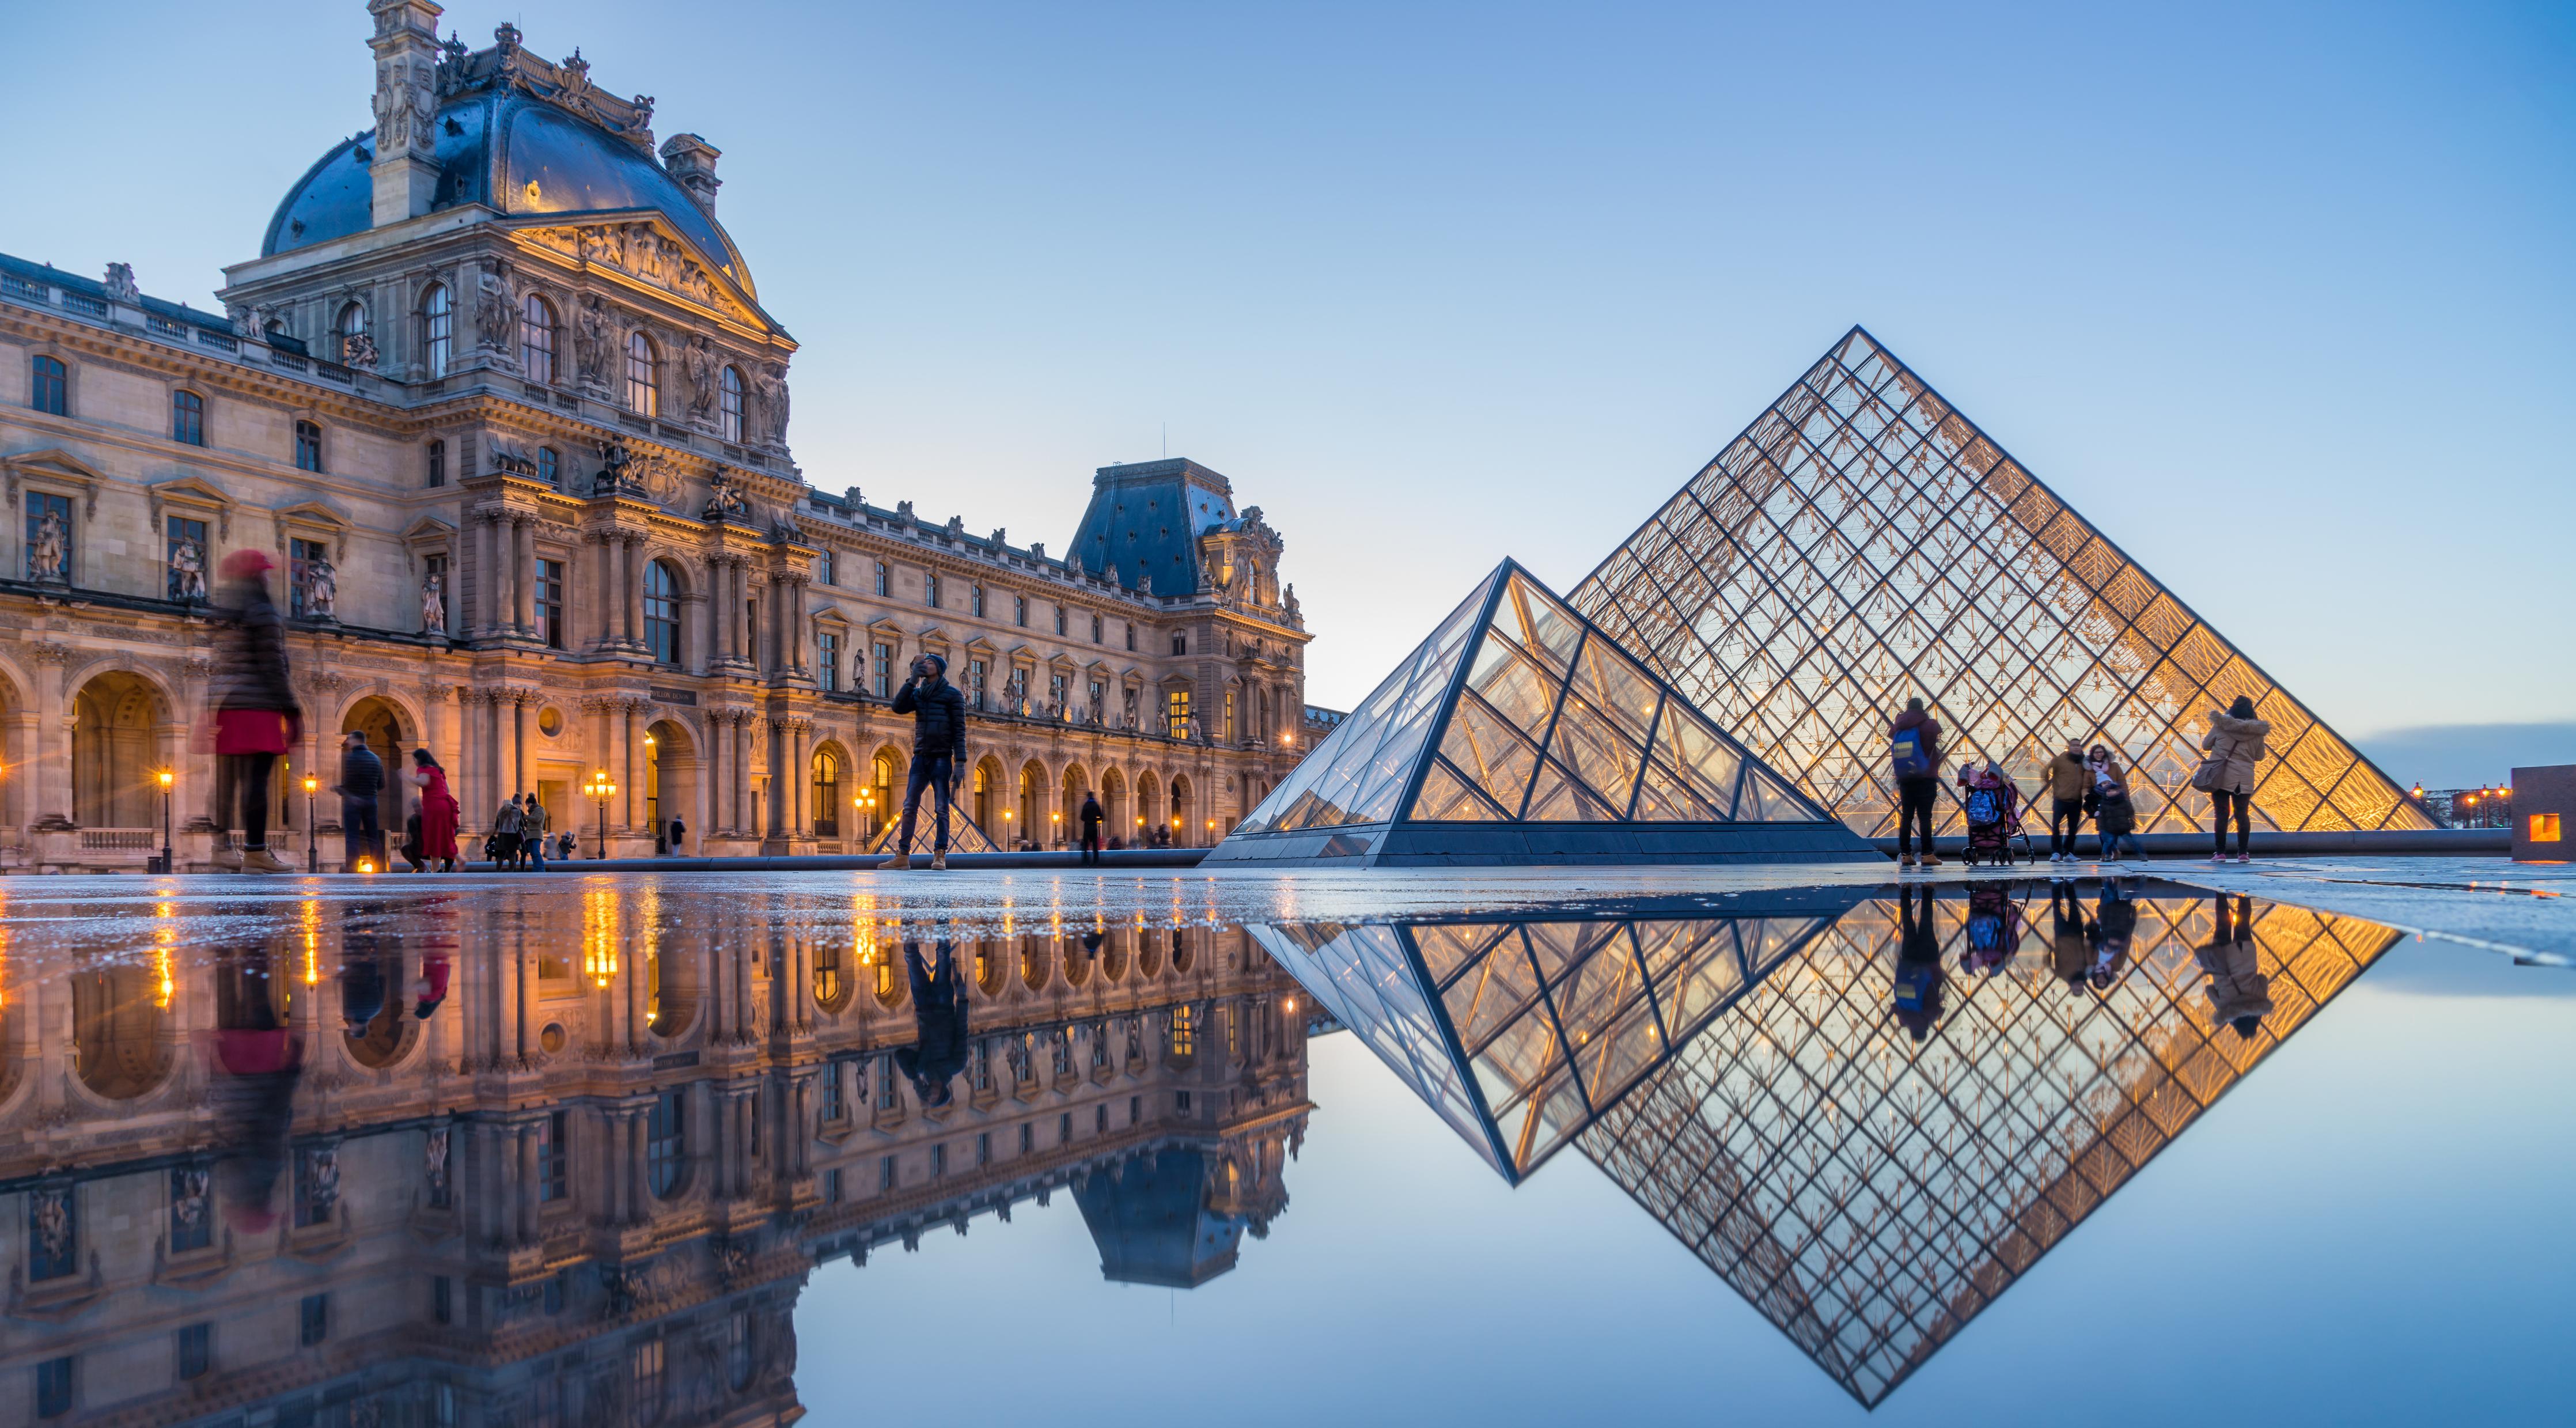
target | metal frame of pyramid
[
  {"x": 1861, "y": 541},
  {"x": 1520, "y": 732},
  {"x": 963, "y": 834}
]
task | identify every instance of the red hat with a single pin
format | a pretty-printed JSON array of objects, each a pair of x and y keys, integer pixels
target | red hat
[{"x": 244, "y": 564}]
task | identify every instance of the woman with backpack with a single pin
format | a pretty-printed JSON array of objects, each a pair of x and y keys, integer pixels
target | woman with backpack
[
  {"x": 1914, "y": 756},
  {"x": 2235, "y": 745}
]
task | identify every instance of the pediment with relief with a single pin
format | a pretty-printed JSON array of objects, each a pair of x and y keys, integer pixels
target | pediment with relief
[{"x": 650, "y": 253}]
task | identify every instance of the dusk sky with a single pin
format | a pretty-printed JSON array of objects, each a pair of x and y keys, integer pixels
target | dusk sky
[{"x": 2279, "y": 297}]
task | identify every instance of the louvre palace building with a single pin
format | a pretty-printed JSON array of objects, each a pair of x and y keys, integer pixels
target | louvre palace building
[{"x": 499, "y": 399}]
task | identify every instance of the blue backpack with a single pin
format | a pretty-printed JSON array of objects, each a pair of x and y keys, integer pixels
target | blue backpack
[
  {"x": 1905, "y": 750},
  {"x": 1985, "y": 805}
]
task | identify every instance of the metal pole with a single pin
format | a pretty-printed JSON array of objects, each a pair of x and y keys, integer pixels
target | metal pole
[{"x": 312, "y": 844}]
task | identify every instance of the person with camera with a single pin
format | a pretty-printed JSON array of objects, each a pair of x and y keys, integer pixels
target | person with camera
[{"x": 938, "y": 711}]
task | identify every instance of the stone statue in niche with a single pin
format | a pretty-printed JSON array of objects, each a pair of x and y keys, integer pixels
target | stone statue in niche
[
  {"x": 1288, "y": 600},
  {"x": 697, "y": 368},
  {"x": 590, "y": 339},
  {"x": 358, "y": 350},
  {"x": 188, "y": 572},
  {"x": 769, "y": 393},
  {"x": 321, "y": 589},
  {"x": 495, "y": 313},
  {"x": 433, "y": 1163},
  {"x": 433, "y": 604},
  {"x": 48, "y": 555},
  {"x": 614, "y": 458}
]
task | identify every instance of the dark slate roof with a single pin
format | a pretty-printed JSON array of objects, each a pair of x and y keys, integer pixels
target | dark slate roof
[
  {"x": 1147, "y": 516},
  {"x": 91, "y": 287},
  {"x": 1150, "y": 1225},
  {"x": 491, "y": 144}
]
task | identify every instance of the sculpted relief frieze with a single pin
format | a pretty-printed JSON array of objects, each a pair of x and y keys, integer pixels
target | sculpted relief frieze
[{"x": 640, "y": 251}]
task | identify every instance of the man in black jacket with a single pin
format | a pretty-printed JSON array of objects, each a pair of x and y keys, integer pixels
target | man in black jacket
[
  {"x": 938, "y": 713},
  {"x": 1091, "y": 817},
  {"x": 938, "y": 1050},
  {"x": 362, "y": 782}
]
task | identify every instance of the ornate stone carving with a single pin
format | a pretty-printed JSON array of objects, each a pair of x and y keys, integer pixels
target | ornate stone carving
[
  {"x": 49, "y": 553},
  {"x": 358, "y": 350},
  {"x": 188, "y": 571},
  {"x": 590, "y": 340},
  {"x": 121, "y": 285},
  {"x": 640, "y": 250},
  {"x": 433, "y": 604},
  {"x": 697, "y": 371},
  {"x": 496, "y": 309},
  {"x": 725, "y": 500},
  {"x": 321, "y": 589}
]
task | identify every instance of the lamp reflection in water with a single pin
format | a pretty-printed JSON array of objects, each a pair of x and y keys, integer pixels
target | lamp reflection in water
[{"x": 1751, "y": 1082}]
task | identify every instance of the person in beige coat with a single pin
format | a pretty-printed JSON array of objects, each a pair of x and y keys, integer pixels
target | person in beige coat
[
  {"x": 2240, "y": 995},
  {"x": 2235, "y": 745}
]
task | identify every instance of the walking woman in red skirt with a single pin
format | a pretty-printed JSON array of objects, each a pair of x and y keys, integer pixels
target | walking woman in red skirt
[{"x": 437, "y": 812}]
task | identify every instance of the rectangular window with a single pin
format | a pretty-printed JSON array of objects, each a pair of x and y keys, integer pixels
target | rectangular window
[
  {"x": 1131, "y": 634},
  {"x": 826, "y": 567},
  {"x": 2544, "y": 828},
  {"x": 977, "y": 675},
  {"x": 832, "y": 1186},
  {"x": 301, "y": 556},
  {"x": 976, "y": 598},
  {"x": 313, "y": 1319},
  {"x": 196, "y": 1350},
  {"x": 1095, "y": 629},
  {"x": 188, "y": 418},
  {"x": 1100, "y": 1120},
  {"x": 54, "y": 1387},
  {"x": 930, "y": 588},
  {"x": 1180, "y": 643},
  {"x": 308, "y": 447},
  {"x": 1228, "y": 725},
  {"x": 1059, "y": 620},
  {"x": 183, "y": 555},
  {"x": 317, "y": 1186},
  {"x": 1028, "y": 1137},
  {"x": 442, "y": 1299},
  {"x": 550, "y": 467},
  {"x": 832, "y": 1092},
  {"x": 1056, "y": 680},
  {"x": 1064, "y": 1128},
  {"x": 438, "y": 463},
  {"x": 550, "y": 603},
  {"x": 885, "y": 579},
  {"x": 1020, "y": 609},
  {"x": 983, "y": 1147},
  {"x": 1181, "y": 1102},
  {"x": 192, "y": 1209},
  {"x": 1135, "y": 1110},
  {"x": 827, "y": 647},
  {"x": 885, "y": 1174},
  {"x": 50, "y": 387},
  {"x": 49, "y": 537},
  {"x": 666, "y": 1139},
  {"x": 881, "y": 670},
  {"x": 938, "y": 1159},
  {"x": 888, "y": 1093},
  {"x": 554, "y": 1157},
  {"x": 1176, "y": 714}
]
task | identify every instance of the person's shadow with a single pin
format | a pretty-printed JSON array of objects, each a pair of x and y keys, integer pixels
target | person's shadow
[{"x": 938, "y": 1051}]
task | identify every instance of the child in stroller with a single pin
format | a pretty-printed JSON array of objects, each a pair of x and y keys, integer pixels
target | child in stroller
[{"x": 1993, "y": 806}]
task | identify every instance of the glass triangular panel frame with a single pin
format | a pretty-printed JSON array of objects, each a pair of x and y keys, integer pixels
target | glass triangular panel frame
[
  {"x": 1861, "y": 542},
  {"x": 1520, "y": 732}
]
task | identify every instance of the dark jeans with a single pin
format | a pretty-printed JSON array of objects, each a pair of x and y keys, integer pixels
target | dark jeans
[
  {"x": 361, "y": 836},
  {"x": 1091, "y": 843},
  {"x": 2065, "y": 820},
  {"x": 933, "y": 773},
  {"x": 2243, "y": 806},
  {"x": 246, "y": 798},
  {"x": 1914, "y": 800}
]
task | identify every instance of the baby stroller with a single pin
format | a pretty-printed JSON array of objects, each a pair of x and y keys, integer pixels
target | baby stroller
[{"x": 1994, "y": 823}]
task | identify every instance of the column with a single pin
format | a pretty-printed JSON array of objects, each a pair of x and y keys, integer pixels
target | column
[
  {"x": 719, "y": 576},
  {"x": 631, "y": 597},
  {"x": 523, "y": 572},
  {"x": 630, "y": 791},
  {"x": 527, "y": 1186},
  {"x": 603, "y": 583},
  {"x": 791, "y": 597},
  {"x": 778, "y": 777},
  {"x": 521, "y": 742},
  {"x": 800, "y": 778},
  {"x": 742, "y": 771},
  {"x": 705, "y": 819},
  {"x": 53, "y": 749}
]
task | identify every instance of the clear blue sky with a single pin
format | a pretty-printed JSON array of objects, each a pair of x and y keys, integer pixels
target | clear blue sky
[{"x": 2279, "y": 296}]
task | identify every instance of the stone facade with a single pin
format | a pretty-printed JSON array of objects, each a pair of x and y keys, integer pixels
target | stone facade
[
  {"x": 590, "y": 1185},
  {"x": 520, "y": 456}
]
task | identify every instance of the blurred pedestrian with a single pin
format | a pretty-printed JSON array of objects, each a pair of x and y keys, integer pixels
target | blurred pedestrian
[
  {"x": 2068, "y": 782},
  {"x": 2235, "y": 745},
  {"x": 1914, "y": 745},
  {"x": 1090, "y": 818},
  {"x": 437, "y": 812},
  {"x": 679, "y": 834},
  {"x": 532, "y": 831},
  {"x": 362, "y": 781},
  {"x": 257, "y": 718},
  {"x": 503, "y": 848},
  {"x": 2070, "y": 942},
  {"x": 2114, "y": 814}
]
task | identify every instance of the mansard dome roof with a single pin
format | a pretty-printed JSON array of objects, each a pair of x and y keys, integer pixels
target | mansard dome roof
[{"x": 509, "y": 149}]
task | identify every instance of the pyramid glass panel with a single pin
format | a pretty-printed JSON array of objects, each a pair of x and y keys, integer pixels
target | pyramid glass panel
[
  {"x": 1520, "y": 733},
  {"x": 1861, "y": 543},
  {"x": 963, "y": 835}
]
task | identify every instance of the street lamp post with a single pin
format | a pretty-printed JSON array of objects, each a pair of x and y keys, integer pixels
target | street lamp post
[
  {"x": 165, "y": 777},
  {"x": 601, "y": 790},
  {"x": 312, "y": 842}
]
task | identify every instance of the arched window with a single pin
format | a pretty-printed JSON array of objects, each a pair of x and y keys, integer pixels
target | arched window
[
  {"x": 536, "y": 339},
  {"x": 549, "y": 466},
  {"x": 643, "y": 376},
  {"x": 49, "y": 388},
  {"x": 827, "y": 794},
  {"x": 729, "y": 403},
  {"x": 308, "y": 446},
  {"x": 188, "y": 418},
  {"x": 437, "y": 330},
  {"x": 351, "y": 327},
  {"x": 662, "y": 613}
]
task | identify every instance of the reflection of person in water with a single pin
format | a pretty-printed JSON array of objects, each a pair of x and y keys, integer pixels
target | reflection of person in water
[
  {"x": 1916, "y": 995},
  {"x": 2239, "y": 994},
  {"x": 258, "y": 1060},
  {"x": 2070, "y": 953},
  {"x": 437, "y": 948},
  {"x": 938, "y": 1051},
  {"x": 2115, "y": 922}
]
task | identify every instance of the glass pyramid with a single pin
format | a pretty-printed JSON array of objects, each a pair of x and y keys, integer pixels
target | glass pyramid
[
  {"x": 1518, "y": 732},
  {"x": 1745, "y": 1080},
  {"x": 1518, "y": 1033},
  {"x": 963, "y": 835},
  {"x": 1862, "y": 542}
]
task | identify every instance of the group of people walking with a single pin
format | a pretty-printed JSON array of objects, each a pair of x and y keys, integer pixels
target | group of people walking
[{"x": 2080, "y": 782}]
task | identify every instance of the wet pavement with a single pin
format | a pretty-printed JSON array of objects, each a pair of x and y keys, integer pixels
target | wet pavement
[{"x": 1802, "y": 1144}]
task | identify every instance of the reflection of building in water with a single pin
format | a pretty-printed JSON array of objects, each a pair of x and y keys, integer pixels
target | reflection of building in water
[
  {"x": 1869, "y": 1191},
  {"x": 588, "y": 1187}
]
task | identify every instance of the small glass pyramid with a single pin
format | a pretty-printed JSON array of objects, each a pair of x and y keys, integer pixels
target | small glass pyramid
[
  {"x": 1520, "y": 733},
  {"x": 963, "y": 835}
]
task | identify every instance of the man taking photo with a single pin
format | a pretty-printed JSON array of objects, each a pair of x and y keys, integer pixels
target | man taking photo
[{"x": 938, "y": 711}]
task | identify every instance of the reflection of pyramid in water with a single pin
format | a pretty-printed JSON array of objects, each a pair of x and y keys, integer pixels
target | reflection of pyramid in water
[
  {"x": 963, "y": 835},
  {"x": 1861, "y": 542},
  {"x": 1518, "y": 733},
  {"x": 1869, "y": 1195}
]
